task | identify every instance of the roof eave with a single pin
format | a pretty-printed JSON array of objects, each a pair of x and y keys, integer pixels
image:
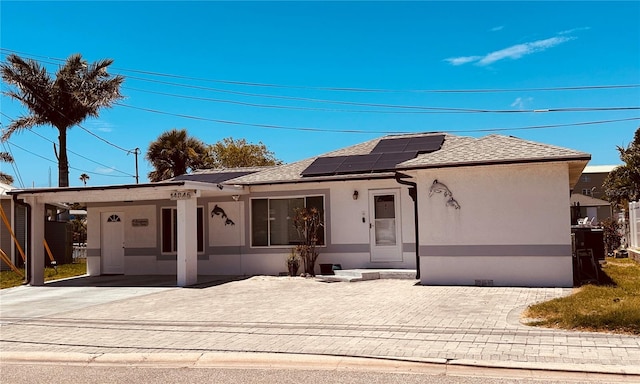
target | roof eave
[{"x": 495, "y": 162}]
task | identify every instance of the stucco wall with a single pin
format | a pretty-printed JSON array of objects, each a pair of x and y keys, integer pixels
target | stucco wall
[
  {"x": 141, "y": 242},
  {"x": 512, "y": 227},
  {"x": 227, "y": 231}
]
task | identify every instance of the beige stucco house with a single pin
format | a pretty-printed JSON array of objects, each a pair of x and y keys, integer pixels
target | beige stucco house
[{"x": 459, "y": 210}]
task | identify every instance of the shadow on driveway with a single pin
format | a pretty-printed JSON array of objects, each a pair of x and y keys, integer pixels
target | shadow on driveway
[{"x": 165, "y": 281}]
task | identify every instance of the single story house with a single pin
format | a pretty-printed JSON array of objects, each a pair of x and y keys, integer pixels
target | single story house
[{"x": 460, "y": 210}]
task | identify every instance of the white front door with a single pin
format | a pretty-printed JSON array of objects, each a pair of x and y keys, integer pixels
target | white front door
[
  {"x": 112, "y": 224},
  {"x": 384, "y": 227}
]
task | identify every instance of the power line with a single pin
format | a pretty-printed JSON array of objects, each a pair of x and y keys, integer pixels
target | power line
[
  {"x": 52, "y": 161},
  {"x": 70, "y": 151},
  {"x": 411, "y": 107},
  {"x": 430, "y": 109},
  {"x": 285, "y": 106},
  {"x": 310, "y": 129},
  {"x": 84, "y": 157},
  {"x": 13, "y": 163},
  {"x": 348, "y": 89},
  {"x": 230, "y": 122},
  {"x": 83, "y": 128},
  {"x": 544, "y": 126}
]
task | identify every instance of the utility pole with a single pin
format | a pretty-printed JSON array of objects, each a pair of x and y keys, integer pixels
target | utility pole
[{"x": 135, "y": 152}]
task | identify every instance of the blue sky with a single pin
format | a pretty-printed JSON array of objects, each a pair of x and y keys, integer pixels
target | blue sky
[{"x": 277, "y": 73}]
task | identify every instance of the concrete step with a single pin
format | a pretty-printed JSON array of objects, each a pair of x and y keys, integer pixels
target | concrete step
[{"x": 352, "y": 275}]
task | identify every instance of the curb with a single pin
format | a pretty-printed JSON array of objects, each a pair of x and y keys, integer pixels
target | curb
[{"x": 313, "y": 362}]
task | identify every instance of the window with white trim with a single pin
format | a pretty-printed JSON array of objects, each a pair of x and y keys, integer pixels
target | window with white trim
[
  {"x": 169, "y": 225},
  {"x": 272, "y": 220}
]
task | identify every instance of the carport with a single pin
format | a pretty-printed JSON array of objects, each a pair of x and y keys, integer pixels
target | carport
[{"x": 185, "y": 194}]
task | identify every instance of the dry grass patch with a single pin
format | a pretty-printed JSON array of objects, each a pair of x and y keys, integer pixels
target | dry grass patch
[
  {"x": 612, "y": 307},
  {"x": 10, "y": 279}
]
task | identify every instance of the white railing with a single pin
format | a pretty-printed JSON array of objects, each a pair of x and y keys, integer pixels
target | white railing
[
  {"x": 79, "y": 252},
  {"x": 634, "y": 225}
]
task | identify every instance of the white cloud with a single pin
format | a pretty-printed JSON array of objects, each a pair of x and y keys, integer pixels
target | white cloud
[
  {"x": 520, "y": 102},
  {"x": 520, "y": 50},
  {"x": 513, "y": 52},
  {"x": 105, "y": 170},
  {"x": 570, "y": 31},
  {"x": 100, "y": 126},
  {"x": 462, "y": 60},
  {"x": 498, "y": 28}
]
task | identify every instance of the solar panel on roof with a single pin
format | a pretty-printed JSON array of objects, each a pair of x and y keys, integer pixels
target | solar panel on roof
[
  {"x": 391, "y": 145},
  {"x": 214, "y": 178},
  {"x": 358, "y": 163},
  {"x": 384, "y": 157},
  {"x": 324, "y": 166},
  {"x": 421, "y": 144},
  {"x": 388, "y": 161}
]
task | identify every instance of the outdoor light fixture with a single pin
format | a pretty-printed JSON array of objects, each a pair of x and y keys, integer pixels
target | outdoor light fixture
[
  {"x": 235, "y": 197},
  {"x": 355, "y": 195},
  {"x": 219, "y": 186}
]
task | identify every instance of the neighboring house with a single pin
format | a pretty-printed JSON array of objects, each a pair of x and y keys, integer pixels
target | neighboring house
[
  {"x": 588, "y": 197},
  {"x": 589, "y": 207},
  {"x": 460, "y": 210},
  {"x": 16, "y": 215},
  {"x": 591, "y": 180}
]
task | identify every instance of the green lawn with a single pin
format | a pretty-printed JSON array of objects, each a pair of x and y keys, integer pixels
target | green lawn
[
  {"x": 10, "y": 279},
  {"x": 612, "y": 307}
]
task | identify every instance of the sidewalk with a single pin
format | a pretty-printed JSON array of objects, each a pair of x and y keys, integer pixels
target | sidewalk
[{"x": 388, "y": 319}]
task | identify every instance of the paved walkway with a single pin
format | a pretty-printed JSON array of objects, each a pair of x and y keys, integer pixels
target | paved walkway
[{"x": 393, "y": 319}]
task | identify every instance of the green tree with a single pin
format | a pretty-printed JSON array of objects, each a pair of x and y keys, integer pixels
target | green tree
[
  {"x": 174, "y": 153},
  {"x": 84, "y": 177},
  {"x": 622, "y": 185},
  {"x": 4, "y": 177},
  {"x": 78, "y": 91},
  {"x": 230, "y": 153}
]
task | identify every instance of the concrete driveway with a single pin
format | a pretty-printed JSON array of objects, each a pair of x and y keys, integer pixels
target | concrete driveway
[{"x": 392, "y": 319}]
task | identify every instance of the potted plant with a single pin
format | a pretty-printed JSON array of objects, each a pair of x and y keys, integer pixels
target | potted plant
[
  {"x": 307, "y": 222},
  {"x": 293, "y": 263}
]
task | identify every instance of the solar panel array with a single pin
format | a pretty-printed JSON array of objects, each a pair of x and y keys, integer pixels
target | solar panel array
[
  {"x": 214, "y": 178},
  {"x": 421, "y": 144},
  {"x": 384, "y": 157}
]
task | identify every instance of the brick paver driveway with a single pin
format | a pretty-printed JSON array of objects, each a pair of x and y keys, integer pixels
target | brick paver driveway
[{"x": 380, "y": 318}]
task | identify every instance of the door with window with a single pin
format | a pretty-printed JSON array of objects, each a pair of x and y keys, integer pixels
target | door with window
[
  {"x": 385, "y": 225},
  {"x": 112, "y": 242}
]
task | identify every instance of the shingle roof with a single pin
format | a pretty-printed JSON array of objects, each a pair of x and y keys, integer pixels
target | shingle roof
[
  {"x": 456, "y": 150},
  {"x": 292, "y": 172},
  {"x": 492, "y": 149},
  {"x": 218, "y": 175}
]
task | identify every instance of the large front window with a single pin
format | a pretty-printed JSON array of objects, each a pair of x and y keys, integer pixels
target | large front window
[
  {"x": 170, "y": 230},
  {"x": 272, "y": 220}
]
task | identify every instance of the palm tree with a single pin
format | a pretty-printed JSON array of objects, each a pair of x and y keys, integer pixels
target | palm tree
[
  {"x": 78, "y": 91},
  {"x": 84, "y": 177},
  {"x": 174, "y": 153},
  {"x": 6, "y": 178}
]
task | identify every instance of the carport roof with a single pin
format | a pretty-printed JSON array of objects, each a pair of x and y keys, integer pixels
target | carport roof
[{"x": 128, "y": 192}]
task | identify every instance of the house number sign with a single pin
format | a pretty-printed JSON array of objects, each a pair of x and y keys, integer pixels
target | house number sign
[
  {"x": 181, "y": 195},
  {"x": 140, "y": 222}
]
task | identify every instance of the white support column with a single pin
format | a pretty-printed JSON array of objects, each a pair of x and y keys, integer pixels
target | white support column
[
  {"x": 35, "y": 257},
  {"x": 187, "y": 242}
]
